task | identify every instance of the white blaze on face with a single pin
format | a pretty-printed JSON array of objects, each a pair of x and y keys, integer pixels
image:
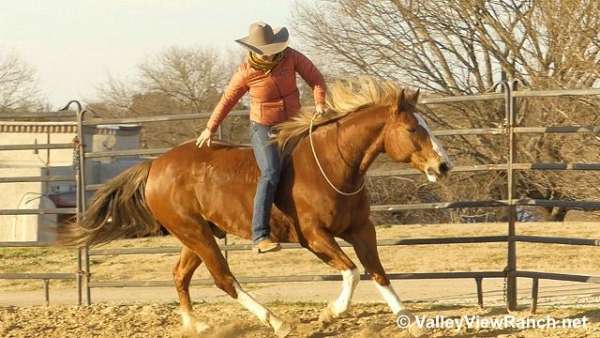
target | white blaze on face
[
  {"x": 437, "y": 146},
  {"x": 431, "y": 177}
]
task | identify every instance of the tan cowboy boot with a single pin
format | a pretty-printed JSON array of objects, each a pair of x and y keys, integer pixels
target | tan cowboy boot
[{"x": 266, "y": 245}]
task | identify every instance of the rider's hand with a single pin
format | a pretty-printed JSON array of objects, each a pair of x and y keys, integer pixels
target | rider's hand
[
  {"x": 205, "y": 136},
  {"x": 320, "y": 109}
]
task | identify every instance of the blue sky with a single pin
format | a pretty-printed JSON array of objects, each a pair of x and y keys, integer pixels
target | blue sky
[{"x": 75, "y": 44}]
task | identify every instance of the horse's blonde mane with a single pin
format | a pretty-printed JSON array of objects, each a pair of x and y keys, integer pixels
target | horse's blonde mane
[{"x": 343, "y": 97}]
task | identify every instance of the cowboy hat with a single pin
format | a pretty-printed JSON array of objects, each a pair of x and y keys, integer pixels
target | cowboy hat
[{"x": 264, "y": 40}]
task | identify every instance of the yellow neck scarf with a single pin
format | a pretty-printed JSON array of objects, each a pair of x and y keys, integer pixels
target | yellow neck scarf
[{"x": 265, "y": 66}]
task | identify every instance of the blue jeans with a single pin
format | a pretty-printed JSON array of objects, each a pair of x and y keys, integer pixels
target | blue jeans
[{"x": 268, "y": 160}]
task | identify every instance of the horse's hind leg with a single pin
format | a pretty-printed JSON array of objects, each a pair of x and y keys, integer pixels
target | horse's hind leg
[
  {"x": 182, "y": 275},
  {"x": 198, "y": 237}
]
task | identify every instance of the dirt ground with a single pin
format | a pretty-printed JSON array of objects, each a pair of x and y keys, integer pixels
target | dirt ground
[
  {"x": 229, "y": 320},
  {"x": 155, "y": 316}
]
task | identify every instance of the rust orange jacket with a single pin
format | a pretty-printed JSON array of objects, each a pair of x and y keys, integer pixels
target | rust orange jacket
[{"x": 274, "y": 96}]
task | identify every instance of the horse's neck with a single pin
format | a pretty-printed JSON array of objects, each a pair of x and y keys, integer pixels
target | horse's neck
[
  {"x": 353, "y": 143},
  {"x": 361, "y": 138}
]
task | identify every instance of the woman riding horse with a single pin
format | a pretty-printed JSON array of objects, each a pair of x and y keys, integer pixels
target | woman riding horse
[
  {"x": 193, "y": 191},
  {"x": 269, "y": 74}
]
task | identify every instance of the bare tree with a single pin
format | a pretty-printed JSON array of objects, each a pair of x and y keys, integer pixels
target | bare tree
[
  {"x": 464, "y": 47},
  {"x": 177, "y": 80},
  {"x": 115, "y": 97},
  {"x": 18, "y": 85},
  {"x": 192, "y": 78},
  {"x": 459, "y": 47}
]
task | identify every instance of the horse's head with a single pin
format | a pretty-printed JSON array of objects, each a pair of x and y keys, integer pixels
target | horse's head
[{"x": 408, "y": 139}]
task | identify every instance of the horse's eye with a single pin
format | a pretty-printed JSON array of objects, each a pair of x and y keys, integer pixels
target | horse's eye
[{"x": 412, "y": 130}]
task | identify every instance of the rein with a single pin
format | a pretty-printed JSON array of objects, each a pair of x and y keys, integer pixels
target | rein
[{"x": 312, "y": 147}]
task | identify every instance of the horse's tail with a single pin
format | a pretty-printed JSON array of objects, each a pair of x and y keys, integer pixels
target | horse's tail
[{"x": 117, "y": 210}]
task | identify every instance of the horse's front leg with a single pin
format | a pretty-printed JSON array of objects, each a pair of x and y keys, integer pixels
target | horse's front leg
[
  {"x": 322, "y": 244},
  {"x": 363, "y": 238}
]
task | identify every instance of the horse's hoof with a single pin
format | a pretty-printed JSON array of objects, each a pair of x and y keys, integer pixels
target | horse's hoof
[
  {"x": 406, "y": 320},
  {"x": 326, "y": 316},
  {"x": 193, "y": 326},
  {"x": 416, "y": 331},
  {"x": 200, "y": 327},
  {"x": 284, "y": 330},
  {"x": 195, "y": 330}
]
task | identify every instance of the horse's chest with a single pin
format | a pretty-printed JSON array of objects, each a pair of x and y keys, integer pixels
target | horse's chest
[{"x": 344, "y": 214}]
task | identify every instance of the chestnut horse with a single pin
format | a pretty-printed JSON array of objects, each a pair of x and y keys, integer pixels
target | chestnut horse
[{"x": 197, "y": 193}]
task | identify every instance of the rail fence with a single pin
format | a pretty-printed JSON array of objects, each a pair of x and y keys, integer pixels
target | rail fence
[
  {"x": 509, "y": 95},
  {"x": 45, "y": 277}
]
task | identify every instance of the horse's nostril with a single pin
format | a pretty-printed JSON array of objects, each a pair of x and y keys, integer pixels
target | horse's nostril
[{"x": 444, "y": 168}]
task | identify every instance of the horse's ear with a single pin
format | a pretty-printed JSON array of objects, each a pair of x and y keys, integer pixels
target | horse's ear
[
  {"x": 415, "y": 97},
  {"x": 401, "y": 102},
  {"x": 407, "y": 101}
]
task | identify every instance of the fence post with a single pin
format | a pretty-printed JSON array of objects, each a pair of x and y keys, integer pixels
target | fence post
[
  {"x": 226, "y": 252},
  {"x": 81, "y": 187},
  {"x": 46, "y": 291},
  {"x": 76, "y": 162},
  {"x": 511, "y": 265},
  {"x": 535, "y": 284},
  {"x": 478, "y": 283}
]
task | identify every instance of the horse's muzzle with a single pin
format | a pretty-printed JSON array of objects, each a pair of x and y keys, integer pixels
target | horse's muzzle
[{"x": 444, "y": 169}]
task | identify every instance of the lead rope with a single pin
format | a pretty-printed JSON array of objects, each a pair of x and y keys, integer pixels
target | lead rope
[{"x": 312, "y": 147}]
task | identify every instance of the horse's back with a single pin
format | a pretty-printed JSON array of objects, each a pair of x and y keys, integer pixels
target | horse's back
[
  {"x": 217, "y": 182},
  {"x": 216, "y": 160}
]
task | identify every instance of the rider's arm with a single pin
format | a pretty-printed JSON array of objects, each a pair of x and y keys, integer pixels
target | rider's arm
[
  {"x": 311, "y": 75},
  {"x": 235, "y": 90}
]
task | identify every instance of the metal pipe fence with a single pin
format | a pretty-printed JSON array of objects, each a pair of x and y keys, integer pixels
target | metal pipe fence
[
  {"x": 45, "y": 277},
  {"x": 510, "y": 92}
]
